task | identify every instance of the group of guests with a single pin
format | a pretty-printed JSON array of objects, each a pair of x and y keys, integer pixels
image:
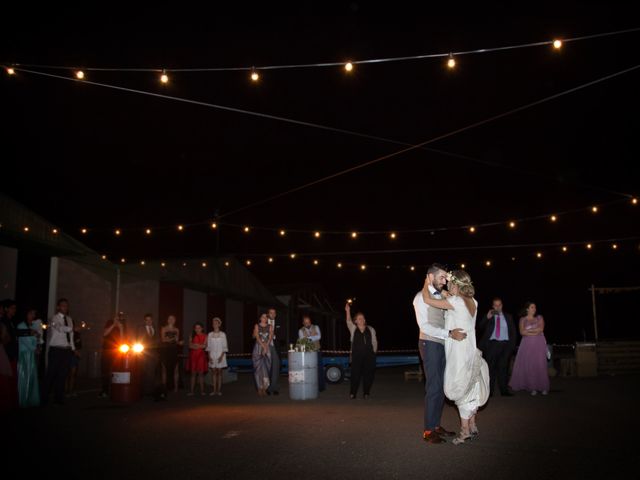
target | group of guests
[{"x": 456, "y": 368}]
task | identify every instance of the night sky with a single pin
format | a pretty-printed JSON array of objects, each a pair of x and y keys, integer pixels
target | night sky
[{"x": 86, "y": 156}]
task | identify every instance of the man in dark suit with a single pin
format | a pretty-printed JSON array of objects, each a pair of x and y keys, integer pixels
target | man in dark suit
[
  {"x": 497, "y": 343},
  {"x": 149, "y": 336}
]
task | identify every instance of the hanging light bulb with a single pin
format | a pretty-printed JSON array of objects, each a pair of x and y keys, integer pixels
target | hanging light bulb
[
  {"x": 246, "y": 229},
  {"x": 255, "y": 76},
  {"x": 392, "y": 235},
  {"x": 270, "y": 259},
  {"x": 512, "y": 224},
  {"x": 316, "y": 262},
  {"x": 316, "y": 234},
  {"x": 142, "y": 263},
  {"x": 226, "y": 264},
  {"x": 26, "y": 229},
  {"x": 553, "y": 218},
  {"x": 122, "y": 260},
  {"x": 80, "y": 75},
  {"x": 594, "y": 209},
  {"x": 180, "y": 228},
  {"x": 162, "y": 264},
  {"x": 293, "y": 256},
  {"x": 117, "y": 232},
  {"x": 539, "y": 254},
  {"x": 83, "y": 231},
  {"x": 214, "y": 225},
  {"x": 248, "y": 263},
  {"x": 614, "y": 246},
  {"x": 204, "y": 264},
  {"x": 412, "y": 268},
  {"x": 462, "y": 265},
  {"x": 363, "y": 267},
  {"x": 54, "y": 231},
  {"x": 339, "y": 265},
  {"x": 564, "y": 248},
  {"x": 148, "y": 231},
  {"x": 557, "y": 44},
  {"x": 11, "y": 71},
  {"x": 488, "y": 263},
  {"x": 634, "y": 201},
  {"x": 104, "y": 257},
  {"x": 164, "y": 78},
  {"x": 283, "y": 233},
  {"x": 348, "y": 66},
  {"x": 589, "y": 246},
  {"x": 472, "y": 229},
  {"x": 354, "y": 234},
  {"x": 451, "y": 62}
]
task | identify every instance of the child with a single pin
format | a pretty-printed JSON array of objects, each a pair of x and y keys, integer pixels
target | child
[
  {"x": 197, "y": 357},
  {"x": 217, "y": 348}
]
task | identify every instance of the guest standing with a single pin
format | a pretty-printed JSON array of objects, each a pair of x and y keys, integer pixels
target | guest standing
[
  {"x": 261, "y": 356},
  {"x": 217, "y": 348},
  {"x": 275, "y": 356},
  {"x": 60, "y": 345},
  {"x": 364, "y": 345},
  {"x": 28, "y": 337},
  {"x": 312, "y": 332},
  {"x": 197, "y": 363},
  {"x": 530, "y": 368},
  {"x": 113, "y": 335},
  {"x": 149, "y": 337},
  {"x": 170, "y": 338}
]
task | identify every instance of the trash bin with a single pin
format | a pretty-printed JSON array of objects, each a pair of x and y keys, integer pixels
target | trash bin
[
  {"x": 126, "y": 375},
  {"x": 586, "y": 359},
  {"x": 303, "y": 375}
]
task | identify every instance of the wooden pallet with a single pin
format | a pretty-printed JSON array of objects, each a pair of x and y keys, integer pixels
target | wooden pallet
[{"x": 413, "y": 375}]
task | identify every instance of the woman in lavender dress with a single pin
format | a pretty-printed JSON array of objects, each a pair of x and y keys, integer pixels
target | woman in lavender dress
[
  {"x": 263, "y": 333},
  {"x": 530, "y": 367}
]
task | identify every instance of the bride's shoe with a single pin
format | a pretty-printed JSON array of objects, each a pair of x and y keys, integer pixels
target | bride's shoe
[
  {"x": 474, "y": 431},
  {"x": 461, "y": 438}
]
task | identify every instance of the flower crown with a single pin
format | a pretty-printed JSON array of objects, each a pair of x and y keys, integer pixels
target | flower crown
[{"x": 452, "y": 278}]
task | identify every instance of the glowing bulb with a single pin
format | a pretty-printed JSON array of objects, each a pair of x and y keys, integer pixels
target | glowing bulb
[
  {"x": 204, "y": 264},
  {"x": 270, "y": 260},
  {"x": 451, "y": 62},
  {"x": 142, "y": 263},
  {"x": 594, "y": 209},
  {"x": 354, "y": 234},
  {"x": 26, "y": 229},
  {"x": 214, "y": 225},
  {"x": 488, "y": 263},
  {"x": 117, "y": 232},
  {"x": 54, "y": 231},
  {"x": 124, "y": 348},
  {"x": 339, "y": 265},
  {"x": 634, "y": 201},
  {"x": 316, "y": 262},
  {"x": 254, "y": 75},
  {"x": 104, "y": 257},
  {"x": 539, "y": 255},
  {"x": 564, "y": 249},
  {"x": 83, "y": 231},
  {"x": 589, "y": 246},
  {"x": 248, "y": 263},
  {"x": 557, "y": 44},
  {"x": 392, "y": 235},
  {"x": 614, "y": 246},
  {"x": 282, "y": 233},
  {"x": 148, "y": 231},
  {"x": 472, "y": 229},
  {"x": 348, "y": 66},
  {"x": 462, "y": 265},
  {"x": 11, "y": 71},
  {"x": 122, "y": 260},
  {"x": 80, "y": 75},
  {"x": 363, "y": 267},
  {"x": 184, "y": 264},
  {"x": 293, "y": 255},
  {"x": 316, "y": 234},
  {"x": 162, "y": 264},
  {"x": 226, "y": 264},
  {"x": 138, "y": 347},
  {"x": 180, "y": 228},
  {"x": 164, "y": 78},
  {"x": 553, "y": 218},
  {"x": 412, "y": 268},
  {"x": 246, "y": 229},
  {"x": 513, "y": 259},
  {"x": 512, "y": 224}
]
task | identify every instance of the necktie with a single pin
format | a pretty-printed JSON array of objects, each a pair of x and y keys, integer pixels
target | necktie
[
  {"x": 498, "y": 327},
  {"x": 66, "y": 324},
  {"x": 150, "y": 330}
]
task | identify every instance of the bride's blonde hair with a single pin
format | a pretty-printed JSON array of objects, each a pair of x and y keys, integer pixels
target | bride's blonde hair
[{"x": 463, "y": 280}]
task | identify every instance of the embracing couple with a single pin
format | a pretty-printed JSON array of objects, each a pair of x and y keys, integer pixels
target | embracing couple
[{"x": 453, "y": 366}]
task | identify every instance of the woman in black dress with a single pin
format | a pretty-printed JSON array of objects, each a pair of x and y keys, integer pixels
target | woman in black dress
[
  {"x": 364, "y": 345},
  {"x": 170, "y": 338}
]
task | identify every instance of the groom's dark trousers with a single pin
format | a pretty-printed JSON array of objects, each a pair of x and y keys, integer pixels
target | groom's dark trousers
[{"x": 433, "y": 362}]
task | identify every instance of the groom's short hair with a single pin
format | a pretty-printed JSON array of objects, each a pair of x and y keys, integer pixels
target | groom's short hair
[{"x": 435, "y": 267}]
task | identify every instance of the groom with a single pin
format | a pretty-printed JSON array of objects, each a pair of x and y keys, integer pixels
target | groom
[{"x": 431, "y": 345}]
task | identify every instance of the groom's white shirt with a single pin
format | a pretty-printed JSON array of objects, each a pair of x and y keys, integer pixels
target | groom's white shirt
[{"x": 422, "y": 315}]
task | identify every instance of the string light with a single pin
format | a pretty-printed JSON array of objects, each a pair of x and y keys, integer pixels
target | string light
[
  {"x": 316, "y": 234},
  {"x": 204, "y": 264},
  {"x": 104, "y": 257},
  {"x": 472, "y": 229},
  {"x": 589, "y": 246},
  {"x": 11, "y": 71},
  {"x": 293, "y": 256},
  {"x": 26, "y": 229},
  {"x": 254, "y": 75},
  {"x": 392, "y": 235},
  {"x": 339, "y": 265},
  {"x": 180, "y": 228},
  {"x": 282, "y": 233},
  {"x": 248, "y": 262},
  {"x": 162, "y": 264},
  {"x": 634, "y": 201},
  {"x": 462, "y": 265},
  {"x": 226, "y": 264},
  {"x": 488, "y": 263},
  {"x": 451, "y": 62},
  {"x": 184, "y": 264},
  {"x": 54, "y": 231},
  {"x": 513, "y": 259},
  {"x": 270, "y": 259},
  {"x": 363, "y": 267},
  {"x": 164, "y": 78},
  {"x": 354, "y": 234},
  {"x": 512, "y": 224},
  {"x": 614, "y": 246},
  {"x": 316, "y": 262},
  {"x": 122, "y": 260},
  {"x": 83, "y": 231},
  {"x": 214, "y": 225},
  {"x": 80, "y": 75},
  {"x": 117, "y": 232},
  {"x": 142, "y": 263},
  {"x": 564, "y": 249},
  {"x": 594, "y": 209},
  {"x": 553, "y": 218},
  {"x": 412, "y": 268},
  {"x": 246, "y": 229},
  {"x": 557, "y": 44},
  {"x": 148, "y": 231},
  {"x": 348, "y": 66},
  {"x": 539, "y": 254}
]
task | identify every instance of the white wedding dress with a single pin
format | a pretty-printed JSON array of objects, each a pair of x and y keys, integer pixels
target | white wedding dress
[{"x": 466, "y": 374}]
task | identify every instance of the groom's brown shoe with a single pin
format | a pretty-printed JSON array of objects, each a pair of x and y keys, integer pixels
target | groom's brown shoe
[
  {"x": 432, "y": 437},
  {"x": 442, "y": 432}
]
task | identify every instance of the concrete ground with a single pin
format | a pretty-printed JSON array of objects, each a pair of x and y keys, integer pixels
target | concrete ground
[{"x": 585, "y": 428}]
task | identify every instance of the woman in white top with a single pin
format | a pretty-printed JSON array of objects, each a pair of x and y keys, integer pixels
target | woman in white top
[
  {"x": 217, "y": 348},
  {"x": 466, "y": 374}
]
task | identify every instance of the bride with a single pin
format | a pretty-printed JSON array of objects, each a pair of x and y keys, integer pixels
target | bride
[{"x": 466, "y": 374}]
